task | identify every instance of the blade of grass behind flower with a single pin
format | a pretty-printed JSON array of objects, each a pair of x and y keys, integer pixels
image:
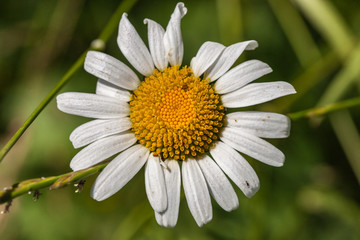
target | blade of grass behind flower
[
  {"x": 348, "y": 135},
  {"x": 329, "y": 202},
  {"x": 134, "y": 221},
  {"x": 343, "y": 80},
  {"x": 296, "y": 31},
  {"x": 309, "y": 78},
  {"x": 112, "y": 25},
  {"x": 329, "y": 23}
]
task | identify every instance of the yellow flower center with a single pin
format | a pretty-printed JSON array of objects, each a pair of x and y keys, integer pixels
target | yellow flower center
[
  {"x": 175, "y": 114},
  {"x": 177, "y": 108}
]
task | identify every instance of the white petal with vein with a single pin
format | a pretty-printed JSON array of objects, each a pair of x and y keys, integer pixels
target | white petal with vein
[
  {"x": 169, "y": 217},
  {"x": 241, "y": 75},
  {"x": 236, "y": 167},
  {"x": 206, "y": 56},
  {"x": 173, "y": 42},
  {"x": 228, "y": 58},
  {"x": 92, "y": 105},
  {"x": 252, "y": 146},
  {"x": 101, "y": 150},
  {"x": 110, "y": 69},
  {"x": 155, "y": 184},
  {"x": 261, "y": 124},
  {"x": 255, "y": 93},
  {"x": 196, "y": 192},
  {"x": 219, "y": 186},
  {"x": 156, "y": 44},
  {"x": 119, "y": 172},
  {"x": 97, "y": 129},
  {"x": 133, "y": 47},
  {"x": 105, "y": 88}
]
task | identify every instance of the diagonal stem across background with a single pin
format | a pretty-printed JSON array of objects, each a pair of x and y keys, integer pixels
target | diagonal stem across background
[{"x": 109, "y": 29}]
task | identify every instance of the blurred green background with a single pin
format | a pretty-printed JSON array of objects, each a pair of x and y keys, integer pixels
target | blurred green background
[{"x": 313, "y": 44}]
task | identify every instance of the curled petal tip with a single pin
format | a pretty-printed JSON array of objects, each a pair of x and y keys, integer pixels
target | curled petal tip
[
  {"x": 252, "y": 45},
  {"x": 182, "y": 10}
]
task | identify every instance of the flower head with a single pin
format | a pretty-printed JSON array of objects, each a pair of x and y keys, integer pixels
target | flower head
[{"x": 176, "y": 115}]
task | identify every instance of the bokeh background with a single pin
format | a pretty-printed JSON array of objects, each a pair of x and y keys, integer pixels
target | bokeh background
[{"x": 313, "y": 44}]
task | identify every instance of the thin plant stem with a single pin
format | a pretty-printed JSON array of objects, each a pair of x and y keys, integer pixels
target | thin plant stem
[
  {"x": 296, "y": 30},
  {"x": 103, "y": 38},
  {"x": 313, "y": 112},
  {"x": 41, "y": 106},
  {"x": 309, "y": 78},
  {"x": 54, "y": 182}
]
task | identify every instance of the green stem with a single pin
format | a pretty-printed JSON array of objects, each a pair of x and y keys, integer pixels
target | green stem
[
  {"x": 104, "y": 36},
  {"x": 309, "y": 78},
  {"x": 54, "y": 182},
  {"x": 313, "y": 112},
  {"x": 41, "y": 106},
  {"x": 113, "y": 23}
]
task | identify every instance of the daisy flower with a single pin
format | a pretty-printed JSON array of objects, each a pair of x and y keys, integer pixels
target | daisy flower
[{"x": 176, "y": 115}]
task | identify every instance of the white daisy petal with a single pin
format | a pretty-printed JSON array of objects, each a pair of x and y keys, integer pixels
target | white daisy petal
[
  {"x": 255, "y": 93},
  {"x": 252, "y": 146},
  {"x": 196, "y": 192},
  {"x": 126, "y": 143},
  {"x": 91, "y": 105},
  {"x": 237, "y": 168},
  {"x": 155, "y": 184},
  {"x": 110, "y": 69},
  {"x": 173, "y": 42},
  {"x": 261, "y": 124},
  {"x": 105, "y": 88},
  {"x": 219, "y": 186},
  {"x": 133, "y": 47},
  {"x": 101, "y": 150},
  {"x": 156, "y": 44},
  {"x": 228, "y": 58},
  {"x": 206, "y": 56},
  {"x": 241, "y": 75},
  {"x": 169, "y": 217},
  {"x": 97, "y": 129},
  {"x": 119, "y": 172}
]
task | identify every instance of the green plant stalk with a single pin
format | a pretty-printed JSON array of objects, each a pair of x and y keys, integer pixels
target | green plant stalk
[
  {"x": 104, "y": 37},
  {"x": 349, "y": 138},
  {"x": 54, "y": 182},
  {"x": 41, "y": 106},
  {"x": 343, "y": 80},
  {"x": 296, "y": 31},
  {"x": 133, "y": 222},
  {"x": 307, "y": 80},
  {"x": 330, "y": 24},
  {"x": 313, "y": 112}
]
